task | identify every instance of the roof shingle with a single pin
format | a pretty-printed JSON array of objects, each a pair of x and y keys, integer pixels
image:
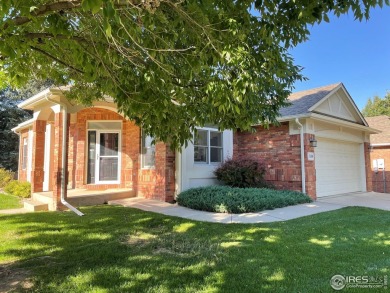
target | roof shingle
[
  {"x": 302, "y": 101},
  {"x": 381, "y": 123}
]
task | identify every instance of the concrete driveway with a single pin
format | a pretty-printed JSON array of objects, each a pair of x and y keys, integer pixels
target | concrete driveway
[{"x": 361, "y": 199}]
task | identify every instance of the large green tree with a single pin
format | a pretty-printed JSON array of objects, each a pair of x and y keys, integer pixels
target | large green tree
[
  {"x": 170, "y": 65},
  {"x": 377, "y": 106}
]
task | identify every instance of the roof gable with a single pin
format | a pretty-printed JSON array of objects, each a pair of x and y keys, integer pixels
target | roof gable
[
  {"x": 339, "y": 104},
  {"x": 332, "y": 100}
]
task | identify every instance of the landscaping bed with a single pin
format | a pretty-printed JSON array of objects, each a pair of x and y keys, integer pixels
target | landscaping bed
[{"x": 224, "y": 199}]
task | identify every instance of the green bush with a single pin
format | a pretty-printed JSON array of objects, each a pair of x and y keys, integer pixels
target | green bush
[
  {"x": 18, "y": 188},
  {"x": 241, "y": 173},
  {"x": 5, "y": 177},
  {"x": 225, "y": 199}
]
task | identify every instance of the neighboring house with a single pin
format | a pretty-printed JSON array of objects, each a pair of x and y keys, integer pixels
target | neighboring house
[
  {"x": 380, "y": 149},
  {"x": 106, "y": 151}
]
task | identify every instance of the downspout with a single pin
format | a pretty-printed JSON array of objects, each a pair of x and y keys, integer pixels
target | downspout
[
  {"x": 63, "y": 152},
  {"x": 303, "y": 173}
]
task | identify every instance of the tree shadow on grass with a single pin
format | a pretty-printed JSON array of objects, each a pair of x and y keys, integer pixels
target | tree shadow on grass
[{"x": 115, "y": 249}]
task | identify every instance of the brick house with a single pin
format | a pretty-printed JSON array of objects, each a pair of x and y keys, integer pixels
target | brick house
[
  {"x": 322, "y": 137},
  {"x": 380, "y": 150}
]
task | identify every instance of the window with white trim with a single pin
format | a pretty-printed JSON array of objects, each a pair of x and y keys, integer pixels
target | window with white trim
[
  {"x": 208, "y": 146},
  {"x": 148, "y": 151},
  {"x": 25, "y": 153}
]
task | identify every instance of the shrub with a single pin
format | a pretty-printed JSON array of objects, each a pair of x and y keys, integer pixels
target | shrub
[
  {"x": 225, "y": 199},
  {"x": 241, "y": 173},
  {"x": 18, "y": 188},
  {"x": 5, "y": 177}
]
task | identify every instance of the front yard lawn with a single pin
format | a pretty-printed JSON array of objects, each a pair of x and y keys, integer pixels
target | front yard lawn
[
  {"x": 116, "y": 249},
  {"x": 9, "y": 202}
]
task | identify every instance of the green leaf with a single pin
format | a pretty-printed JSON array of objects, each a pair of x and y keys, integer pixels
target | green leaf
[
  {"x": 96, "y": 6},
  {"x": 326, "y": 18}
]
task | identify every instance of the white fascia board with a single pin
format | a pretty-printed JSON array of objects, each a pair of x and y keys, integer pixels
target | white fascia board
[
  {"x": 23, "y": 125},
  {"x": 344, "y": 123},
  {"x": 380, "y": 144},
  {"x": 26, "y": 104},
  {"x": 293, "y": 117},
  {"x": 286, "y": 118}
]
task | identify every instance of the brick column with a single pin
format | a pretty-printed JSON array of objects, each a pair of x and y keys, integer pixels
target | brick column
[
  {"x": 169, "y": 168},
  {"x": 310, "y": 168},
  {"x": 158, "y": 183},
  {"x": 57, "y": 161},
  {"x": 37, "y": 174},
  {"x": 367, "y": 161}
]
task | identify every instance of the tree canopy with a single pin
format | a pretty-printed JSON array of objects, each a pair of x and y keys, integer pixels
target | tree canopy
[
  {"x": 170, "y": 65},
  {"x": 377, "y": 106}
]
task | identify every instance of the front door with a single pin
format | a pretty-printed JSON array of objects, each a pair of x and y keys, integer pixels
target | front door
[{"x": 103, "y": 157}]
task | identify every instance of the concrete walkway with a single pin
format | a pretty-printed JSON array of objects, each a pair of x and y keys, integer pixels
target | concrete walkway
[
  {"x": 281, "y": 214},
  {"x": 370, "y": 199},
  {"x": 361, "y": 199},
  {"x": 14, "y": 211}
]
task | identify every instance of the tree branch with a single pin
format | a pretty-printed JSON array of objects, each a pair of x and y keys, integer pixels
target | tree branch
[
  {"x": 56, "y": 59},
  {"x": 45, "y": 9},
  {"x": 63, "y": 6},
  {"x": 52, "y": 36}
]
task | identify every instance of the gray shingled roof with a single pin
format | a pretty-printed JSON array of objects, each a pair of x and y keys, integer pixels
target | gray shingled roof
[
  {"x": 302, "y": 101},
  {"x": 381, "y": 123}
]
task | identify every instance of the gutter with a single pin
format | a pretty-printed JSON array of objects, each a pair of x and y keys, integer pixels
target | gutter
[
  {"x": 23, "y": 125},
  {"x": 303, "y": 172},
  {"x": 63, "y": 153},
  {"x": 380, "y": 144}
]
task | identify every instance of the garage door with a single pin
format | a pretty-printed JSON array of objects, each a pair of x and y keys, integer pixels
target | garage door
[{"x": 338, "y": 167}]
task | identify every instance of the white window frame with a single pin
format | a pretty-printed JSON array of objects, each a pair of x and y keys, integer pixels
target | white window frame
[
  {"x": 152, "y": 146},
  {"x": 209, "y": 147},
  {"x": 25, "y": 153},
  {"x": 97, "y": 145}
]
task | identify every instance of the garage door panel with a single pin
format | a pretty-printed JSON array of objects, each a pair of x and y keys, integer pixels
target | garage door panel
[{"x": 338, "y": 167}]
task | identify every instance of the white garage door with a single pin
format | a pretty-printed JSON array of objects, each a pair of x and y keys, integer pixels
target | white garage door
[{"x": 338, "y": 167}]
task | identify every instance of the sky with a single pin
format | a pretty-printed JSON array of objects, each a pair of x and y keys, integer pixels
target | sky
[{"x": 348, "y": 51}]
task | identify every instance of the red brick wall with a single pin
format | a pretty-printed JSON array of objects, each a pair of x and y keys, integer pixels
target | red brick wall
[
  {"x": 280, "y": 154},
  {"x": 159, "y": 182},
  {"x": 57, "y": 162},
  {"x": 72, "y": 154},
  {"x": 38, "y": 147},
  {"x": 377, "y": 178},
  {"x": 77, "y": 147}
]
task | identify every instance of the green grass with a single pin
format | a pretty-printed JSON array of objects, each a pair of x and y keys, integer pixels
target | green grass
[
  {"x": 226, "y": 199},
  {"x": 116, "y": 249},
  {"x": 9, "y": 202}
]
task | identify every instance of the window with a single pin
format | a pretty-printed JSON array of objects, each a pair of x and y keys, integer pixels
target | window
[
  {"x": 148, "y": 151},
  {"x": 24, "y": 153},
  {"x": 208, "y": 146}
]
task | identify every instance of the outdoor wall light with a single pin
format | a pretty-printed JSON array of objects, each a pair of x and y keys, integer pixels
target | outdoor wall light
[{"x": 313, "y": 142}]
